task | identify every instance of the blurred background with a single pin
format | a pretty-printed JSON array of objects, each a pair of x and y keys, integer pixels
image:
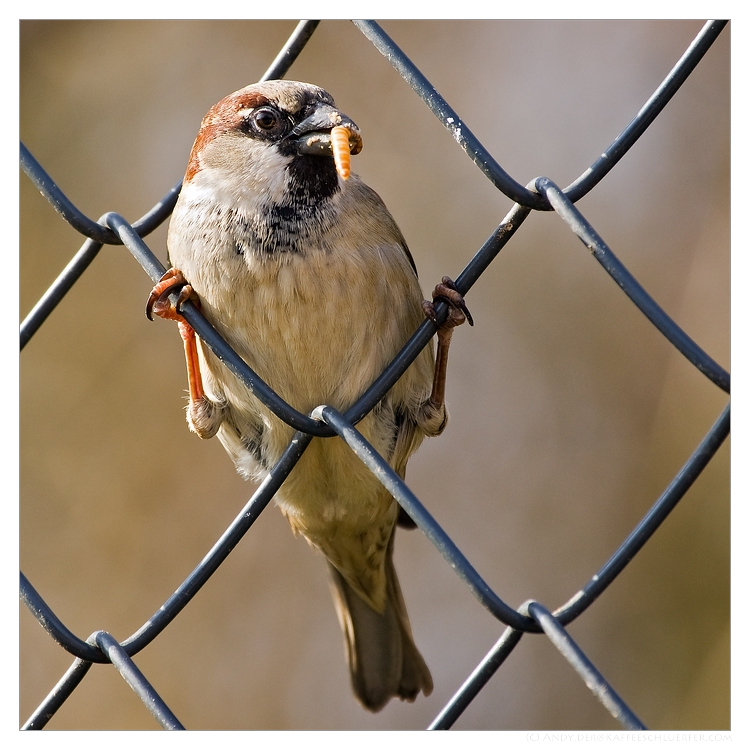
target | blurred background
[{"x": 570, "y": 413}]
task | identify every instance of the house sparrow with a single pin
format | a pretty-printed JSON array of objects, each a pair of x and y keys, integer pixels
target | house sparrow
[{"x": 304, "y": 272}]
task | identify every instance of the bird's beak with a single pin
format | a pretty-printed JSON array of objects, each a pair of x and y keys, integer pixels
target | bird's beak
[{"x": 313, "y": 134}]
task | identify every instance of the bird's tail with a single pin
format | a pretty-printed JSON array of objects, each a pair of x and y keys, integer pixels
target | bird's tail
[{"x": 383, "y": 660}]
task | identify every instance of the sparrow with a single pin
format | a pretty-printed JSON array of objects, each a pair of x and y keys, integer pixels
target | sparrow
[{"x": 301, "y": 268}]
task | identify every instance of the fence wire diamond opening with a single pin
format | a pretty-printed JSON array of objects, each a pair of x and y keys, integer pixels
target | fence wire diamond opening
[{"x": 58, "y": 617}]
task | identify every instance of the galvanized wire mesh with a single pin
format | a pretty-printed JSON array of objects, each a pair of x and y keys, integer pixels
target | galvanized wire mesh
[{"x": 540, "y": 195}]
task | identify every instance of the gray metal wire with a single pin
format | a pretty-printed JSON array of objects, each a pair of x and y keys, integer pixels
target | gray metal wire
[{"x": 540, "y": 195}]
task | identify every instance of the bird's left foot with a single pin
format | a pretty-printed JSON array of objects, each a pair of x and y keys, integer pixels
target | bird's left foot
[
  {"x": 434, "y": 416},
  {"x": 458, "y": 313}
]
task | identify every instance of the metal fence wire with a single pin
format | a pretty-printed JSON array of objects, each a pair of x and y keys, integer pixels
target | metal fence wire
[{"x": 539, "y": 195}]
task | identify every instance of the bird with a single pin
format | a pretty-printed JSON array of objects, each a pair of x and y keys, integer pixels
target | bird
[{"x": 299, "y": 265}]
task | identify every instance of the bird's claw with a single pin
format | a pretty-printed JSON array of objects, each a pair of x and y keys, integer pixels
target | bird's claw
[
  {"x": 158, "y": 301},
  {"x": 458, "y": 312}
]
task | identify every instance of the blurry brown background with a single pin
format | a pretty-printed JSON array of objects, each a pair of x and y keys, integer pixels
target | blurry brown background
[{"x": 570, "y": 413}]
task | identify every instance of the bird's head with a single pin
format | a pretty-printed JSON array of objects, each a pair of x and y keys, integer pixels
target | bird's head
[{"x": 266, "y": 134}]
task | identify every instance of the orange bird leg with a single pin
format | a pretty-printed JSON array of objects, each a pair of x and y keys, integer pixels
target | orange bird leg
[
  {"x": 195, "y": 381},
  {"x": 159, "y": 304}
]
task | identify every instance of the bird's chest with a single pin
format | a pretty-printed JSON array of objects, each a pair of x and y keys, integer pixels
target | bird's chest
[{"x": 315, "y": 323}]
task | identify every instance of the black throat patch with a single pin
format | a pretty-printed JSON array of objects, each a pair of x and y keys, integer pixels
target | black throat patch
[{"x": 303, "y": 217}]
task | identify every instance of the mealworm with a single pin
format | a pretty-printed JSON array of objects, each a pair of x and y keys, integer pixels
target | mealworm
[{"x": 341, "y": 153}]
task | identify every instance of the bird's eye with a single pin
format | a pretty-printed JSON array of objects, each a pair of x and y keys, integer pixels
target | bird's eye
[{"x": 266, "y": 119}]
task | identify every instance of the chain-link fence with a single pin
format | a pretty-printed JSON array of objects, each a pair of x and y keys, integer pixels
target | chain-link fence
[{"x": 540, "y": 195}]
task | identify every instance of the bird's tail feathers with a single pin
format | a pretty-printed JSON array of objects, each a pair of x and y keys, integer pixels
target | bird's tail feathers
[{"x": 383, "y": 660}]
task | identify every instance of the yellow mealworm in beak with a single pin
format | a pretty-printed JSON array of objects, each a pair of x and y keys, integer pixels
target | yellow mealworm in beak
[{"x": 341, "y": 153}]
